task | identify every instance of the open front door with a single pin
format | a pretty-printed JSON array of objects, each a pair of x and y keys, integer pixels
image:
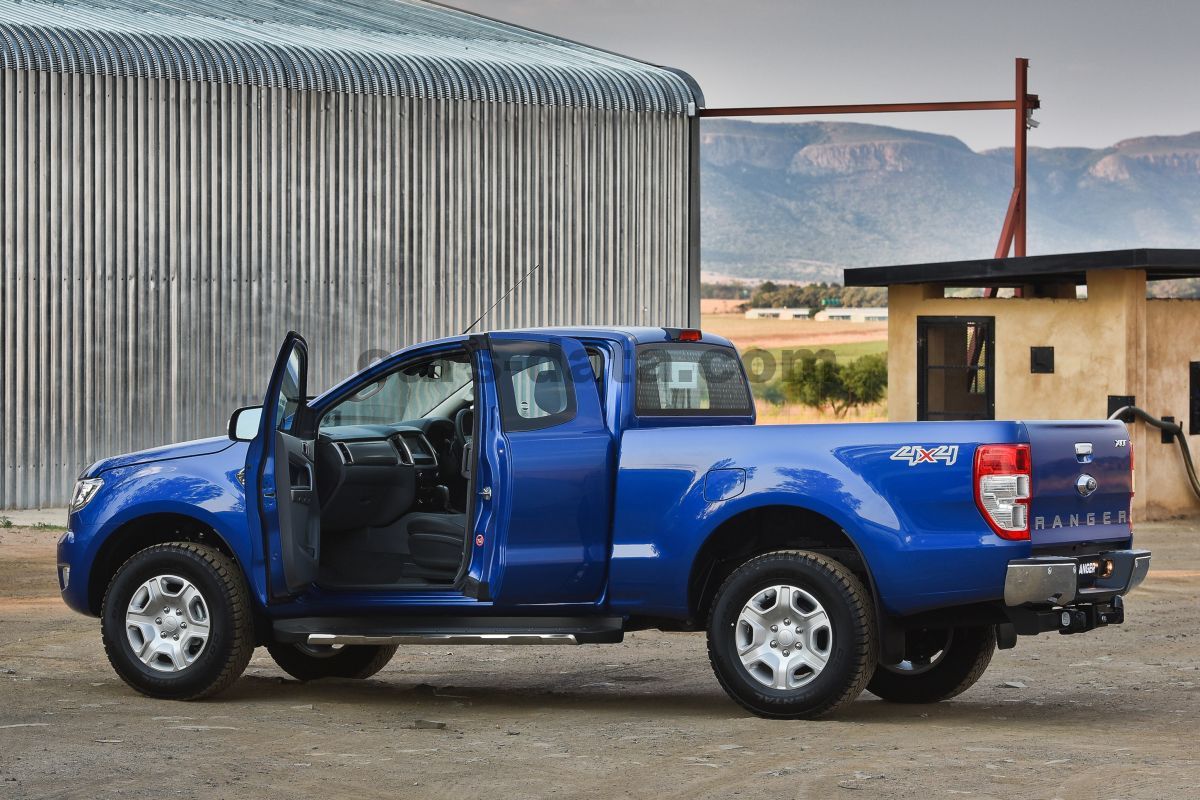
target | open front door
[{"x": 280, "y": 474}]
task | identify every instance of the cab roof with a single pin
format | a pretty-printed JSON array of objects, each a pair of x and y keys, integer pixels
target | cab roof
[
  {"x": 633, "y": 334},
  {"x": 627, "y": 334}
]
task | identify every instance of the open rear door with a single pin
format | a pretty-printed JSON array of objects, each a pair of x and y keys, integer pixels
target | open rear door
[
  {"x": 545, "y": 475},
  {"x": 280, "y": 475}
]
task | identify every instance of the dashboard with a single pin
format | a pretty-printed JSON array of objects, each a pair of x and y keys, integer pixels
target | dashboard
[{"x": 371, "y": 475}]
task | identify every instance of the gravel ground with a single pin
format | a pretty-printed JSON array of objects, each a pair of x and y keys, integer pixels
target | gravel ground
[{"x": 1111, "y": 714}]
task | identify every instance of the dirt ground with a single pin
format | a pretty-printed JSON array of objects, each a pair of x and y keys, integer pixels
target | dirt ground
[{"x": 1111, "y": 714}]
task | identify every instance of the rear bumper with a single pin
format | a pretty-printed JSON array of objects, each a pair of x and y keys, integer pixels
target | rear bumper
[
  {"x": 1070, "y": 594},
  {"x": 1057, "y": 581}
]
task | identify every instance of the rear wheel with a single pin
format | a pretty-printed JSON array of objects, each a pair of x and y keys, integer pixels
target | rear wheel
[
  {"x": 176, "y": 623},
  {"x": 306, "y": 662},
  {"x": 792, "y": 635},
  {"x": 938, "y": 664}
]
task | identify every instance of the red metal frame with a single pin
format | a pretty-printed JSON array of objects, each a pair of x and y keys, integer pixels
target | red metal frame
[{"x": 1012, "y": 234}]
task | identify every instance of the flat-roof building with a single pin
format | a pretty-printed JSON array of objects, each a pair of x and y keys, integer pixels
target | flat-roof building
[
  {"x": 1054, "y": 351},
  {"x": 778, "y": 313},
  {"x": 841, "y": 314}
]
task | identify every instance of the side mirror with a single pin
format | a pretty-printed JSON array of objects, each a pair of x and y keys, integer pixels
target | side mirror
[{"x": 244, "y": 423}]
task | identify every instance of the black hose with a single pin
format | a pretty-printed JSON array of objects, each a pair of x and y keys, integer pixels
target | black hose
[{"x": 1128, "y": 414}]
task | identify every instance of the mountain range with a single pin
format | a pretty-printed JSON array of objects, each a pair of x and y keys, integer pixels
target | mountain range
[{"x": 802, "y": 201}]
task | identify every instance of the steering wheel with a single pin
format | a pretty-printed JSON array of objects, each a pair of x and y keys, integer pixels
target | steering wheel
[{"x": 464, "y": 425}]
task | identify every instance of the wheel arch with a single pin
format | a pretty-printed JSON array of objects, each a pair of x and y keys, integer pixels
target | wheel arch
[
  {"x": 147, "y": 530},
  {"x": 762, "y": 529}
]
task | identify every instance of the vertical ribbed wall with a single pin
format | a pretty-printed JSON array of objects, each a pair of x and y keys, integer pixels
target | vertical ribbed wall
[{"x": 160, "y": 237}]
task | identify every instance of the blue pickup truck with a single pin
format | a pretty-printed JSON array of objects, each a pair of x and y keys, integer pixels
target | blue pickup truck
[{"x": 565, "y": 486}]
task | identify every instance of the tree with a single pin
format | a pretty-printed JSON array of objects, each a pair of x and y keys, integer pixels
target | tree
[
  {"x": 772, "y": 393},
  {"x": 865, "y": 380},
  {"x": 769, "y": 294},
  {"x": 822, "y": 382}
]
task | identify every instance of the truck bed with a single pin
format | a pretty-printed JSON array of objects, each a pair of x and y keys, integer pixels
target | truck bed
[{"x": 903, "y": 492}]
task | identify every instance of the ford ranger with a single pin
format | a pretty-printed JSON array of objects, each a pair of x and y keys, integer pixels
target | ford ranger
[{"x": 566, "y": 486}]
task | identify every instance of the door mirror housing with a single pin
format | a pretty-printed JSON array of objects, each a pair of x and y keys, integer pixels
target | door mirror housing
[{"x": 244, "y": 423}]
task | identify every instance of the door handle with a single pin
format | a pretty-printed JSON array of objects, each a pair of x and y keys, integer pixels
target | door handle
[{"x": 486, "y": 493}]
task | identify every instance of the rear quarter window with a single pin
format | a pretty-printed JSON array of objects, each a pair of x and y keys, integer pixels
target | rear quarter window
[
  {"x": 534, "y": 385},
  {"x": 690, "y": 380}
]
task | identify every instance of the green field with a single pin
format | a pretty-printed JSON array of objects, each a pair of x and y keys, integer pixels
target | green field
[{"x": 844, "y": 352}]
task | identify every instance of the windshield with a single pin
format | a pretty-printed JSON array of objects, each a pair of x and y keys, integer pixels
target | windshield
[{"x": 404, "y": 395}]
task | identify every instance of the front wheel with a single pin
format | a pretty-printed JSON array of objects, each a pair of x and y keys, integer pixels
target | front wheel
[
  {"x": 312, "y": 662},
  {"x": 939, "y": 663},
  {"x": 176, "y": 621},
  {"x": 792, "y": 635}
]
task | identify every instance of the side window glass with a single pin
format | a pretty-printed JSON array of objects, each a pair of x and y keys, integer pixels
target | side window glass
[
  {"x": 596, "y": 359},
  {"x": 405, "y": 395},
  {"x": 291, "y": 392},
  {"x": 534, "y": 385}
]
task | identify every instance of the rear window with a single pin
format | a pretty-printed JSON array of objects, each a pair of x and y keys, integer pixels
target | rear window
[{"x": 690, "y": 379}]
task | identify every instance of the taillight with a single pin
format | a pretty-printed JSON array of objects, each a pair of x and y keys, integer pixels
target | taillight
[
  {"x": 1003, "y": 488},
  {"x": 1132, "y": 485},
  {"x": 1132, "y": 473}
]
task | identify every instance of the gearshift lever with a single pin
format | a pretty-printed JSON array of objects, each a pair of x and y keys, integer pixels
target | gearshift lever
[{"x": 440, "y": 498}]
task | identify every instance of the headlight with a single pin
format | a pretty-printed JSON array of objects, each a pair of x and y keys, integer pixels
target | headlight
[{"x": 85, "y": 490}]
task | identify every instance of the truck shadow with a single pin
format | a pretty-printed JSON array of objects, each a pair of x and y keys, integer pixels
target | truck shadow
[{"x": 647, "y": 698}]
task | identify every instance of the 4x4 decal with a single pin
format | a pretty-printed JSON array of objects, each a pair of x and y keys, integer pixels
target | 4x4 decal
[{"x": 915, "y": 454}]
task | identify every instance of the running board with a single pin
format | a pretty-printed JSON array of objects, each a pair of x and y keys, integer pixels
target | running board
[
  {"x": 449, "y": 630},
  {"x": 445, "y": 638}
]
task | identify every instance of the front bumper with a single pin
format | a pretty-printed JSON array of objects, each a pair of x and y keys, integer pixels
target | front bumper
[
  {"x": 72, "y": 568},
  {"x": 1056, "y": 581}
]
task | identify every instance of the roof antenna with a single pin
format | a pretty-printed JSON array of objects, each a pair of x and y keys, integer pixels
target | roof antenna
[{"x": 511, "y": 289}]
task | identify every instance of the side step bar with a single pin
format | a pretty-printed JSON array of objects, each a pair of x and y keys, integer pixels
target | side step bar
[
  {"x": 449, "y": 630},
  {"x": 445, "y": 638}
]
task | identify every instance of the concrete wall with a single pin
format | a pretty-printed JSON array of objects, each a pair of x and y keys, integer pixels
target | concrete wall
[
  {"x": 1172, "y": 342},
  {"x": 1113, "y": 342}
]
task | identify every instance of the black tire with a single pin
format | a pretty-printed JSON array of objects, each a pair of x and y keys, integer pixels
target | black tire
[
  {"x": 306, "y": 663},
  {"x": 940, "y": 664},
  {"x": 230, "y": 643},
  {"x": 851, "y": 645}
]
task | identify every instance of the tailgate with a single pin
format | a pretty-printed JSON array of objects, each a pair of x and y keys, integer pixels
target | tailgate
[{"x": 1082, "y": 481}]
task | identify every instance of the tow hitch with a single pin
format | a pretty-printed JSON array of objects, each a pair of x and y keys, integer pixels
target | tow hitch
[{"x": 1072, "y": 619}]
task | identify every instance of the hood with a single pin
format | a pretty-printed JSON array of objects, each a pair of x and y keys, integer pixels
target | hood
[{"x": 197, "y": 447}]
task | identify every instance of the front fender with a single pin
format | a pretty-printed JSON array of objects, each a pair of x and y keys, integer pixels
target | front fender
[{"x": 203, "y": 488}]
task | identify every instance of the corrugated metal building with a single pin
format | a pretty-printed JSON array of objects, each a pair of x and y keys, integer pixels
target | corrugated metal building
[{"x": 185, "y": 181}]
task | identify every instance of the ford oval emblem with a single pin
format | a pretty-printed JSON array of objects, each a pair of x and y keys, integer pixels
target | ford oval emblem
[{"x": 1086, "y": 485}]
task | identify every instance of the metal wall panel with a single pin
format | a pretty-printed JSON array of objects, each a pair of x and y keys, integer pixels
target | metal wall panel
[{"x": 160, "y": 237}]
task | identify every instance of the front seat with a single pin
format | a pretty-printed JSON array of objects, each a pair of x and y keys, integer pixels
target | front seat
[
  {"x": 549, "y": 392},
  {"x": 436, "y": 541}
]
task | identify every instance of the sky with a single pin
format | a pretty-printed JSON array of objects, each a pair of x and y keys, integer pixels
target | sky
[{"x": 1105, "y": 70}]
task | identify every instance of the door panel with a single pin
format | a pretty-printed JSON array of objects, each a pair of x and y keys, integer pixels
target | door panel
[
  {"x": 551, "y": 456},
  {"x": 298, "y": 513},
  {"x": 279, "y": 476}
]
